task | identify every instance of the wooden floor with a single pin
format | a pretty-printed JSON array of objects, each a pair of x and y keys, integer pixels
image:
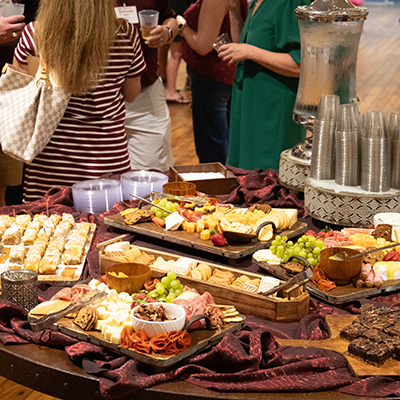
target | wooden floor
[{"x": 378, "y": 88}]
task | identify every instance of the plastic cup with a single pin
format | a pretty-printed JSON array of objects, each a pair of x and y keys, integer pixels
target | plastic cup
[
  {"x": 328, "y": 107},
  {"x": 148, "y": 20},
  {"x": 349, "y": 118},
  {"x": 394, "y": 125},
  {"x": 220, "y": 40},
  {"x": 9, "y": 9},
  {"x": 375, "y": 124}
]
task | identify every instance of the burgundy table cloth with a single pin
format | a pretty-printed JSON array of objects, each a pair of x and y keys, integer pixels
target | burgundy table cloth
[{"x": 249, "y": 361}]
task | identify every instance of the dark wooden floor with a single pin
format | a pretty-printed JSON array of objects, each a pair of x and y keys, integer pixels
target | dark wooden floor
[{"x": 378, "y": 87}]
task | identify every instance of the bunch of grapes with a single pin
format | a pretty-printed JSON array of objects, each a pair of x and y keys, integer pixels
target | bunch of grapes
[
  {"x": 164, "y": 203},
  {"x": 168, "y": 289},
  {"x": 307, "y": 246}
]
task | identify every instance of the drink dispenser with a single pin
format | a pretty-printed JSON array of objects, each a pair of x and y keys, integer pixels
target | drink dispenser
[{"x": 330, "y": 33}]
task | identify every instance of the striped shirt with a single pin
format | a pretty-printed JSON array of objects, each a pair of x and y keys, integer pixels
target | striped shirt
[{"x": 90, "y": 140}]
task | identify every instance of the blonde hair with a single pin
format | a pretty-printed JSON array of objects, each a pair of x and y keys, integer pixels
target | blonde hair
[{"x": 73, "y": 38}]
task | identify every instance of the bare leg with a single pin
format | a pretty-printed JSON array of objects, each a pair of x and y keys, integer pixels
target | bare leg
[{"x": 172, "y": 74}]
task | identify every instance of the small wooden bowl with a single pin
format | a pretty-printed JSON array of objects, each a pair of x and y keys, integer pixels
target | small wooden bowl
[
  {"x": 180, "y": 188},
  {"x": 341, "y": 272},
  {"x": 138, "y": 274}
]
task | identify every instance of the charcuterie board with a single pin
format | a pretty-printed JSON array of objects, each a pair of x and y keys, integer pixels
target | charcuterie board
[
  {"x": 335, "y": 324},
  {"x": 271, "y": 308},
  {"x": 192, "y": 240},
  {"x": 201, "y": 339},
  {"x": 338, "y": 295}
]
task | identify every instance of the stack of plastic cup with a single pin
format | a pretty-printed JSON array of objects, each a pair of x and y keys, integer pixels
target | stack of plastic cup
[
  {"x": 142, "y": 183},
  {"x": 375, "y": 153},
  {"x": 394, "y": 132},
  {"x": 96, "y": 196},
  {"x": 347, "y": 145},
  {"x": 322, "y": 165}
]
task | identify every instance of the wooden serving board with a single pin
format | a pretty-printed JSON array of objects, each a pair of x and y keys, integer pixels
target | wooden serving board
[
  {"x": 271, "y": 308},
  {"x": 193, "y": 239},
  {"x": 335, "y": 324},
  {"x": 338, "y": 295},
  {"x": 201, "y": 339}
]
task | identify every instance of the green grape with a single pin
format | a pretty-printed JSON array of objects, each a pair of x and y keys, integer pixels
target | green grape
[
  {"x": 284, "y": 239},
  {"x": 317, "y": 251},
  {"x": 169, "y": 207},
  {"x": 307, "y": 244},
  {"x": 174, "y": 284},
  {"x": 162, "y": 297},
  {"x": 311, "y": 261},
  {"x": 300, "y": 240},
  {"x": 178, "y": 292},
  {"x": 273, "y": 249},
  {"x": 279, "y": 254},
  {"x": 278, "y": 237},
  {"x": 170, "y": 298},
  {"x": 165, "y": 281},
  {"x": 312, "y": 239},
  {"x": 159, "y": 214},
  {"x": 160, "y": 286},
  {"x": 180, "y": 287},
  {"x": 320, "y": 244},
  {"x": 171, "y": 275},
  {"x": 280, "y": 249},
  {"x": 154, "y": 210},
  {"x": 310, "y": 255},
  {"x": 289, "y": 243},
  {"x": 163, "y": 202},
  {"x": 171, "y": 291},
  {"x": 153, "y": 294},
  {"x": 164, "y": 214},
  {"x": 275, "y": 243},
  {"x": 285, "y": 258},
  {"x": 289, "y": 252},
  {"x": 156, "y": 201},
  {"x": 303, "y": 254},
  {"x": 160, "y": 290}
]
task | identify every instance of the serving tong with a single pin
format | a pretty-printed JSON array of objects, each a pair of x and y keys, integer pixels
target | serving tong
[
  {"x": 92, "y": 297},
  {"x": 343, "y": 256},
  {"x": 291, "y": 284}
]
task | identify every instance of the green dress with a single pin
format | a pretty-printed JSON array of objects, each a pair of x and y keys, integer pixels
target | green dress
[{"x": 261, "y": 124}]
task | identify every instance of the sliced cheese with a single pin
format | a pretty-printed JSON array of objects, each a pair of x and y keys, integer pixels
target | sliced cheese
[{"x": 173, "y": 221}]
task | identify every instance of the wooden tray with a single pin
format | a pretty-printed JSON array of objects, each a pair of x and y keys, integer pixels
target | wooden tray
[
  {"x": 201, "y": 339},
  {"x": 338, "y": 295},
  {"x": 193, "y": 239},
  {"x": 335, "y": 324},
  {"x": 271, "y": 308}
]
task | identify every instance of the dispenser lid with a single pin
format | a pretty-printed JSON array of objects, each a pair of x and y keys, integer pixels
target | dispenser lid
[{"x": 331, "y": 11}]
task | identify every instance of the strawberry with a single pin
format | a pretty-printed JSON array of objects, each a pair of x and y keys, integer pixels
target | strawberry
[
  {"x": 151, "y": 300},
  {"x": 134, "y": 304},
  {"x": 218, "y": 239},
  {"x": 311, "y": 233},
  {"x": 140, "y": 296}
]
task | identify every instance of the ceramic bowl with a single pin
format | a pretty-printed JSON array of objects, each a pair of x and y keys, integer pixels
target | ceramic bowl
[
  {"x": 155, "y": 328},
  {"x": 387, "y": 218},
  {"x": 137, "y": 275},
  {"x": 340, "y": 272}
]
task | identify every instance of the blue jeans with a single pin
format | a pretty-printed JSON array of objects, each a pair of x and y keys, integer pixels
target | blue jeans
[{"x": 211, "y": 103}]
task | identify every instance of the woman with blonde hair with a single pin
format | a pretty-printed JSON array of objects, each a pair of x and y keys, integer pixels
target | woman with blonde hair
[{"x": 98, "y": 59}]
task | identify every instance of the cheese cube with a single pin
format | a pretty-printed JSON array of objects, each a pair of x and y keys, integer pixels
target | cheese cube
[
  {"x": 99, "y": 324},
  {"x": 111, "y": 331},
  {"x": 115, "y": 338},
  {"x": 205, "y": 235},
  {"x": 122, "y": 296},
  {"x": 191, "y": 227},
  {"x": 200, "y": 225}
]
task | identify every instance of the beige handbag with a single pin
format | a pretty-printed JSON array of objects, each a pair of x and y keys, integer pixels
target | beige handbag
[{"x": 30, "y": 110}]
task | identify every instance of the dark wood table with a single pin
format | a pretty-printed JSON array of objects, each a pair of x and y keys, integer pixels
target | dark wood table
[{"x": 50, "y": 371}]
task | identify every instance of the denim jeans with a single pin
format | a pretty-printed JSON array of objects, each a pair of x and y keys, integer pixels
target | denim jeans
[{"x": 211, "y": 103}]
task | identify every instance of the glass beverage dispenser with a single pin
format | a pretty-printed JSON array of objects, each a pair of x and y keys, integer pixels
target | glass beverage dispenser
[{"x": 330, "y": 33}]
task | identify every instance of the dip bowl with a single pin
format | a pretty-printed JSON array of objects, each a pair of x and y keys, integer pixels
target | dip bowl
[
  {"x": 153, "y": 328},
  {"x": 340, "y": 272},
  {"x": 130, "y": 277}
]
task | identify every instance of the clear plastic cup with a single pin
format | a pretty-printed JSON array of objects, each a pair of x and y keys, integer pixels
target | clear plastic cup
[
  {"x": 394, "y": 125},
  {"x": 148, "y": 20},
  {"x": 349, "y": 118},
  {"x": 375, "y": 124},
  {"x": 9, "y": 9},
  {"x": 328, "y": 107},
  {"x": 220, "y": 40}
]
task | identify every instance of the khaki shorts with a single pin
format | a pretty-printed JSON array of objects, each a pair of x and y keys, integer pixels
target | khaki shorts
[{"x": 10, "y": 170}]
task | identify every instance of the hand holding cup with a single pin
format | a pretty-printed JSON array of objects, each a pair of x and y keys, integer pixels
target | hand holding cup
[{"x": 11, "y": 28}]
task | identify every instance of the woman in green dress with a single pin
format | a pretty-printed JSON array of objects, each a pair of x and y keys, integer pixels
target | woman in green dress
[{"x": 266, "y": 80}]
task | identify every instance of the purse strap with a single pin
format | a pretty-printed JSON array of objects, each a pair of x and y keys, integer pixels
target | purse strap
[{"x": 43, "y": 75}]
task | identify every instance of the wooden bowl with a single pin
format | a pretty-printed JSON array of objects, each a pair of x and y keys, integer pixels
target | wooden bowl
[
  {"x": 341, "y": 272},
  {"x": 137, "y": 274},
  {"x": 180, "y": 188}
]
